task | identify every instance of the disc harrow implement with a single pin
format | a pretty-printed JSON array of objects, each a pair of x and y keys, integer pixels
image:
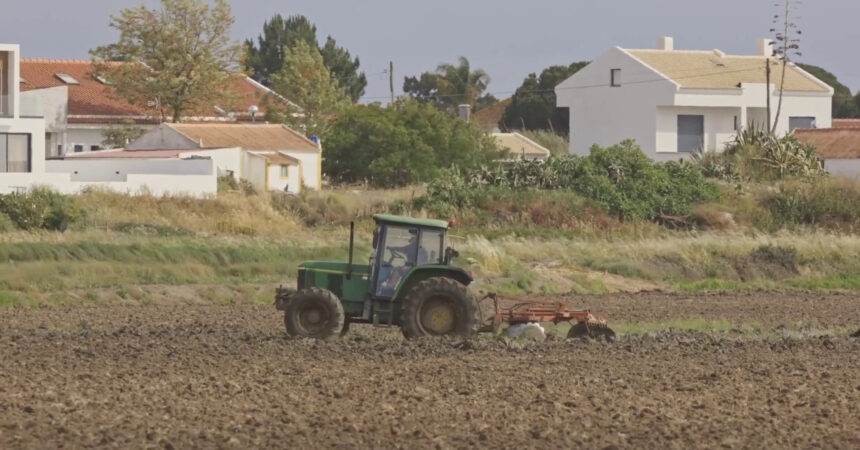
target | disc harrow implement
[{"x": 584, "y": 324}]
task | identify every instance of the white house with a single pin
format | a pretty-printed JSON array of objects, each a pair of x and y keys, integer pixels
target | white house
[
  {"x": 272, "y": 157},
  {"x": 674, "y": 102},
  {"x": 22, "y": 152},
  {"x": 79, "y": 107}
]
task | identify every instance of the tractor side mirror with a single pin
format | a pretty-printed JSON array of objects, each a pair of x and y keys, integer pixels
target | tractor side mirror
[{"x": 450, "y": 254}]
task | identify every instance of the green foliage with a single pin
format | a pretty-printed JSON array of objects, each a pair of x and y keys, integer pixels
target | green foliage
[
  {"x": 306, "y": 81},
  {"x": 121, "y": 135},
  {"x": 827, "y": 203},
  {"x": 620, "y": 180},
  {"x": 844, "y": 104},
  {"x": 757, "y": 155},
  {"x": 267, "y": 57},
  {"x": 186, "y": 54},
  {"x": 227, "y": 183},
  {"x": 40, "y": 208},
  {"x": 401, "y": 145},
  {"x": 533, "y": 106},
  {"x": 6, "y": 224},
  {"x": 451, "y": 85}
]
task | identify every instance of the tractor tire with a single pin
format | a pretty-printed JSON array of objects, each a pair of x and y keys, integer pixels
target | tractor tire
[
  {"x": 315, "y": 313},
  {"x": 439, "y": 306},
  {"x": 582, "y": 331}
]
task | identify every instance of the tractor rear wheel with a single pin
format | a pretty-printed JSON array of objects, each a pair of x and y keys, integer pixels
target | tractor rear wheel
[
  {"x": 582, "y": 331},
  {"x": 439, "y": 306},
  {"x": 314, "y": 313}
]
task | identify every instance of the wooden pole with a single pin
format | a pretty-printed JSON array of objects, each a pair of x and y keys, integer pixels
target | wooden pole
[{"x": 767, "y": 89}]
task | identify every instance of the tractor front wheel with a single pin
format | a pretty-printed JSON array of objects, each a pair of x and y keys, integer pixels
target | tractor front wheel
[
  {"x": 314, "y": 313},
  {"x": 439, "y": 306}
]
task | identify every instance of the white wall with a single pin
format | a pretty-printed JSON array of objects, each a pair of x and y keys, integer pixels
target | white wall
[
  {"x": 311, "y": 167},
  {"x": 225, "y": 160},
  {"x": 35, "y": 127},
  {"x": 254, "y": 170},
  {"x": 195, "y": 177},
  {"x": 605, "y": 115},
  {"x": 849, "y": 168},
  {"x": 719, "y": 128}
]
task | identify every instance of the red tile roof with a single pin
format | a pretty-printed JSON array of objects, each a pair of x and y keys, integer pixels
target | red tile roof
[
  {"x": 832, "y": 143},
  {"x": 93, "y": 98},
  {"x": 846, "y": 123}
]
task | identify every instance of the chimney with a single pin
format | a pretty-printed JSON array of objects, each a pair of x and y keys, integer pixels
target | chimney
[
  {"x": 465, "y": 112},
  {"x": 765, "y": 47},
  {"x": 665, "y": 43}
]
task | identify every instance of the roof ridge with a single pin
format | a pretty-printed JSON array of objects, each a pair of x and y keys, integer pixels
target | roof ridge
[{"x": 56, "y": 60}]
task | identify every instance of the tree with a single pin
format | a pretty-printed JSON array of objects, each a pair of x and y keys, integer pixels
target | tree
[
  {"x": 411, "y": 143},
  {"x": 267, "y": 57},
  {"x": 306, "y": 81},
  {"x": 787, "y": 45},
  {"x": 177, "y": 58},
  {"x": 121, "y": 135},
  {"x": 344, "y": 68},
  {"x": 449, "y": 86},
  {"x": 533, "y": 106},
  {"x": 844, "y": 105}
]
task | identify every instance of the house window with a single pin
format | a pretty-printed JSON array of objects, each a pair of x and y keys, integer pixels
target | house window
[
  {"x": 79, "y": 148},
  {"x": 285, "y": 171},
  {"x": 4, "y": 84},
  {"x": 615, "y": 77},
  {"x": 691, "y": 133},
  {"x": 15, "y": 153},
  {"x": 94, "y": 148},
  {"x": 801, "y": 122}
]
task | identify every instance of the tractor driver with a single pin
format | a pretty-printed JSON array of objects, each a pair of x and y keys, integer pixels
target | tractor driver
[{"x": 402, "y": 260}]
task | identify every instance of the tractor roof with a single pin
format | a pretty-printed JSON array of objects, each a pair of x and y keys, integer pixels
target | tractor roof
[{"x": 404, "y": 220}]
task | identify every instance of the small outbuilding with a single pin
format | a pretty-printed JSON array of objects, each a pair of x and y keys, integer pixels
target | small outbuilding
[{"x": 838, "y": 148}]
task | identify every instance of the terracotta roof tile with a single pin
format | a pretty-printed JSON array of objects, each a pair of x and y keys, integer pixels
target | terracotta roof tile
[
  {"x": 832, "y": 143},
  {"x": 846, "y": 123},
  {"x": 93, "y": 98},
  {"x": 488, "y": 118},
  {"x": 519, "y": 145}
]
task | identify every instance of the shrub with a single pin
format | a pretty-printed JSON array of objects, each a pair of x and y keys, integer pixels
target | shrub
[
  {"x": 757, "y": 155},
  {"x": 826, "y": 203},
  {"x": 40, "y": 208},
  {"x": 227, "y": 183},
  {"x": 620, "y": 179}
]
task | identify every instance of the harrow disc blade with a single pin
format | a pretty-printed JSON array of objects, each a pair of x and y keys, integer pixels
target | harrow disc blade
[{"x": 584, "y": 330}]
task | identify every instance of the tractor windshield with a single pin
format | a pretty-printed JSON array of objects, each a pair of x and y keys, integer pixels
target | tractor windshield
[{"x": 399, "y": 252}]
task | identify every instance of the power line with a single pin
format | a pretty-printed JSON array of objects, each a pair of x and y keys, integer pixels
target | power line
[{"x": 645, "y": 81}]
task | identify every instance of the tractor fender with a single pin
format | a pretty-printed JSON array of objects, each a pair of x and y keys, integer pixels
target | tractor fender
[{"x": 421, "y": 273}]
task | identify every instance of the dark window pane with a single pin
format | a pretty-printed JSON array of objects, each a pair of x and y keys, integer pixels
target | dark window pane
[{"x": 691, "y": 133}]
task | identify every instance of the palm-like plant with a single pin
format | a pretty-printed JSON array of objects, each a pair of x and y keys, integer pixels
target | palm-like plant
[{"x": 460, "y": 84}]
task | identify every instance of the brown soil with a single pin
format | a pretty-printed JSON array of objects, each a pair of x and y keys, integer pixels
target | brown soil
[{"x": 184, "y": 376}]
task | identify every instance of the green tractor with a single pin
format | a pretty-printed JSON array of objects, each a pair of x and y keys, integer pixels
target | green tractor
[{"x": 409, "y": 282}]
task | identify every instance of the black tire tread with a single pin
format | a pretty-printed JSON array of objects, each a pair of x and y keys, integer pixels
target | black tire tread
[
  {"x": 412, "y": 302},
  {"x": 329, "y": 300}
]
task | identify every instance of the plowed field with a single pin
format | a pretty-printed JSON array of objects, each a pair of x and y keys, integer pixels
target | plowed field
[{"x": 181, "y": 376}]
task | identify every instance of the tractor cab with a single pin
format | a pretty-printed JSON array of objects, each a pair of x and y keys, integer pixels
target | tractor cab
[{"x": 402, "y": 244}]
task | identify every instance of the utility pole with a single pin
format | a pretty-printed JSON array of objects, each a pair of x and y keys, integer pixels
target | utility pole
[
  {"x": 391, "y": 79},
  {"x": 767, "y": 89}
]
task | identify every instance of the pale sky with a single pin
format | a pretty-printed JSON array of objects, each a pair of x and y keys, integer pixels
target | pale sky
[{"x": 507, "y": 38}]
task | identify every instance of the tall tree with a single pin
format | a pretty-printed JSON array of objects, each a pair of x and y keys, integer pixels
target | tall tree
[
  {"x": 305, "y": 80},
  {"x": 844, "y": 105},
  {"x": 344, "y": 68},
  {"x": 267, "y": 57},
  {"x": 177, "y": 58},
  {"x": 787, "y": 46},
  {"x": 449, "y": 86},
  {"x": 533, "y": 104}
]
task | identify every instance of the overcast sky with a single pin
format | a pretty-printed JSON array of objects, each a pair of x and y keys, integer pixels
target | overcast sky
[{"x": 507, "y": 38}]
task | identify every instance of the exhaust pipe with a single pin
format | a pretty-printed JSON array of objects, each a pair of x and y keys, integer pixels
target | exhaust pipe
[{"x": 351, "y": 247}]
